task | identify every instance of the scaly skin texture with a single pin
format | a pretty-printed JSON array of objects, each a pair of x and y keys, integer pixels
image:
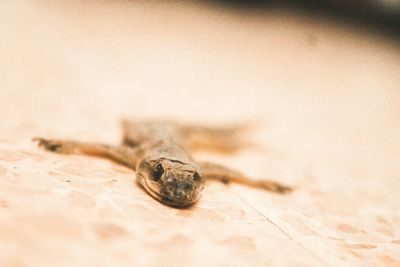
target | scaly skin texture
[{"x": 159, "y": 152}]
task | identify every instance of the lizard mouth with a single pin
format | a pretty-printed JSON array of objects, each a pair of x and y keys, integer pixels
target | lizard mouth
[{"x": 176, "y": 203}]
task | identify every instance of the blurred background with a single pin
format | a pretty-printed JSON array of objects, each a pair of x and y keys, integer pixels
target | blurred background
[{"x": 382, "y": 14}]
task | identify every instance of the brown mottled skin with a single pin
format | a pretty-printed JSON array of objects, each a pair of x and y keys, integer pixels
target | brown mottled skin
[{"x": 159, "y": 152}]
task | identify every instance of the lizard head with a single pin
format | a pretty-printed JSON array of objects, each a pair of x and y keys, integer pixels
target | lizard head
[{"x": 170, "y": 181}]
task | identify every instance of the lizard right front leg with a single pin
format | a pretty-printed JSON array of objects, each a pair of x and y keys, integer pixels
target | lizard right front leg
[{"x": 121, "y": 154}]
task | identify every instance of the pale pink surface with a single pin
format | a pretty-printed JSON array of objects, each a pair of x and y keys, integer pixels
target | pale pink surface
[{"x": 327, "y": 95}]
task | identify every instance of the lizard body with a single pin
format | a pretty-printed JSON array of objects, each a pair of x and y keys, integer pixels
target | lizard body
[{"x": 159, "y": 153}]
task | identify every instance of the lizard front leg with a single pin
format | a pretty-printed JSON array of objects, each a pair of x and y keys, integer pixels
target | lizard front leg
[
  {"x": 122, "y": 154},
  {"x": 226, "y": 175}
]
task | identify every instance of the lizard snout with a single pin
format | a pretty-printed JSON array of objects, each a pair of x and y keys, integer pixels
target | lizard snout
[{"x": 178, "y": 190}]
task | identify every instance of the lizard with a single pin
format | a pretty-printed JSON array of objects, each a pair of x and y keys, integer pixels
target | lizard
[{"x": 160, "y": 153}]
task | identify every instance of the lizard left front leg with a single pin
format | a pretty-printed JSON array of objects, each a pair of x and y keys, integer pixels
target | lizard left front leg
[{"x": 226, "y": 175}]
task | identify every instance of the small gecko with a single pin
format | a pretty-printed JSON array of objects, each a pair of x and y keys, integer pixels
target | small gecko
[{"x": 158, "y": 151}]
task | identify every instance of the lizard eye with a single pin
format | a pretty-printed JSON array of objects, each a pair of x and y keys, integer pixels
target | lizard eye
[
  {"x": 196, "y": 177},
  {"x": 157, "y": 172}
]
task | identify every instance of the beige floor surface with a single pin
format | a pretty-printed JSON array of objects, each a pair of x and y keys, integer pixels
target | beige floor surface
[{"x": 327, "y": 95}]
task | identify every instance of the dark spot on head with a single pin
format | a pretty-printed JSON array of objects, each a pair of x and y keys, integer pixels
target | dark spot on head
[
  {"x": 196, "y": 177},
  {"x": 164, "y": 199},
  {"x": 157, "y": 172}
]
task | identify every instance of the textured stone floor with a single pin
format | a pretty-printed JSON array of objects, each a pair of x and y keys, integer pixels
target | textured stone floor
[{"x": 327, "y": 97}]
